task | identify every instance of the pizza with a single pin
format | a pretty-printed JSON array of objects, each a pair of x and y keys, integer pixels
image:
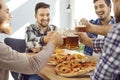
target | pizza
[
  {"x": 59, "y": 58},
  {"x": 74, "y": 68}
]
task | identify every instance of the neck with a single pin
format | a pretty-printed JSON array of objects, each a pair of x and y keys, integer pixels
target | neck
[
  {"x": 106, "y": 21},
  {"x": 43, "y": 29}
]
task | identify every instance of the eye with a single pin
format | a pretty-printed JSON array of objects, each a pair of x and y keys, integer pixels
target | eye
[
  {"x": 95, "y": 7},
  {"x": 41, "y": 15},
  {"x": 101, "y": 6},
  {"x": 48, "y": 14}
]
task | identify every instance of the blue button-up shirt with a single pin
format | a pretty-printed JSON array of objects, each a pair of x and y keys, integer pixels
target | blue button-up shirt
[{"x": 87, "y": 49}]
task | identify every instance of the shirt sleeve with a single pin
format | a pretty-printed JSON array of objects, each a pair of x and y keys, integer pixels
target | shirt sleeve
[
  {"x": 31, "y": 38},
  {"x": 21, "y": 63},
  {"x": 97, "y": 45},
  {"x": 109, "y": 64}
]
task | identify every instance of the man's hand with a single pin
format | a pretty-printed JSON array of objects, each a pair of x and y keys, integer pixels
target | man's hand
[
  {"x": 56, "y": 39},
  {"x": 89, "y": 26},
  {"x": 96, "y": 29},
  {"x": 47, "y": 37},
  {"x": 83, "y": 38}
]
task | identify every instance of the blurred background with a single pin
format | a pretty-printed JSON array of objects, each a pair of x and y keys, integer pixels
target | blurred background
[{"x": 63, "y": 13}]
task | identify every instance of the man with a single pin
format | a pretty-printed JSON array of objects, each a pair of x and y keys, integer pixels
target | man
[
  {"x": 17, "y": 62},
  {"x": 102, "y": 9},
  {"x": 37, "y": 35},
  {"x": 108, "y": 67}
]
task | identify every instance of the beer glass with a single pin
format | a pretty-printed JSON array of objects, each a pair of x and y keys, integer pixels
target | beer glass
[
  {"x": 72, "y": 41},
  {"x": 79, "y": 27}
]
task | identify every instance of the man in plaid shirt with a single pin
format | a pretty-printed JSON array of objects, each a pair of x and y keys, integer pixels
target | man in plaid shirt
[
  {"x": 108, "y": 67},
  {"x": 37, "y": 35}
]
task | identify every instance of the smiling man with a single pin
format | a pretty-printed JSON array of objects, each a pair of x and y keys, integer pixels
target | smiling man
[
  {"x": 102, "y": 10},
  {"x": 37, "y": 35},
  {"x": 18, "y": 62}
]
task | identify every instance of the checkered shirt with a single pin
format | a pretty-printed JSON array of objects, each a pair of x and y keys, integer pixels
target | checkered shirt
[{"x": 108, "y": 67}]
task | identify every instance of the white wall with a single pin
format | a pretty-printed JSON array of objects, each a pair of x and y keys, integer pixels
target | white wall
[{"x": 23, "y": 14}]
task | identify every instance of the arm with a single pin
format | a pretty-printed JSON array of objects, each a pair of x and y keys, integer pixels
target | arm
[
  {"x": 32, "y": 39},
  {"x": 109, "y": 64},
  {"x": 96, "y": 44},
  {"x": 14, "y": 61},
  {"x": 35, "y": 40},
  {"x": 96, "y": 29}
]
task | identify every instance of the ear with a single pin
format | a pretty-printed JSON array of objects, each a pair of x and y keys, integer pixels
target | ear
[{"x": 35, "y": 15}]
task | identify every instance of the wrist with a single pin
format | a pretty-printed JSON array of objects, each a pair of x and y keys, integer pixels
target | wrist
[{"x": 89, "y": 42}]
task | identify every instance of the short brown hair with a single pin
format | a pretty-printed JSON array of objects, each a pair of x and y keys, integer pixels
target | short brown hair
[
  {"x": 41, "y": 5},
  {"x": 108, "y": 2}
]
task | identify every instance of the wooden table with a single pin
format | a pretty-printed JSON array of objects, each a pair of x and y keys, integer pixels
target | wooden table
[{"x": 48, "y": 73}]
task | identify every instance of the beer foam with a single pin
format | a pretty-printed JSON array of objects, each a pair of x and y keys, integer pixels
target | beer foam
[{"x": 81, "y": 25}]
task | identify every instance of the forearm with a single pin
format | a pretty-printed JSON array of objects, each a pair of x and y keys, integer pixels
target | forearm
[
  {"x": 25, "y": 64},
  {"x": 97, "y": 29},
  {"x": 88, "y": 42}
]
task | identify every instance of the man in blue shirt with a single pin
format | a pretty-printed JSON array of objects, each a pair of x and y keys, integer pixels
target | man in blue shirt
[{"x": 102, "y": 9}]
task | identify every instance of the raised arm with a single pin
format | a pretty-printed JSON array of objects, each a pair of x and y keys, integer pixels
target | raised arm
[
  {"x": 17, "y": 62},
  {"x": 96, "y": 29}
]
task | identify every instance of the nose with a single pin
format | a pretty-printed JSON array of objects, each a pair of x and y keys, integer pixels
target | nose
[
  {"x": 98, "y": 10},
  {"x": 10, "y": 15},
  {"x": 45, "y": 17}
]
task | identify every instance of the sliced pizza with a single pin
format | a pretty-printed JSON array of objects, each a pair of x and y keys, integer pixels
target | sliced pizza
[{"x": 74, "y": 68}]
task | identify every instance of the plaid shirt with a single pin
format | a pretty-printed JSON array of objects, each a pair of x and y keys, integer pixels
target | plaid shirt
[
  {"x": 87, "y": 49},
  {"x": 98, "y": 45},
  {"x": 34, "y": 36},
  {"x": 108, "y": 67}
]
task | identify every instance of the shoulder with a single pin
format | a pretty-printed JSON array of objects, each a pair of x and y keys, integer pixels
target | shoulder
[
  {"x": 53, "y": 27},
  {"x": 31, "y": 27},
  {"x": 116, "y": 28},
  {"x": 96, "y": 21}
]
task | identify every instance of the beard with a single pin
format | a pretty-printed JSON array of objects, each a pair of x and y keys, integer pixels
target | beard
[
  {"x": 102, "y": 19},
  {"x": 43, "y": 23},
  {"x": 6, "y": 29}
]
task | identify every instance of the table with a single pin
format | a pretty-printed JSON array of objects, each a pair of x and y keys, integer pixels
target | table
[{"x": 48, "y": 73}]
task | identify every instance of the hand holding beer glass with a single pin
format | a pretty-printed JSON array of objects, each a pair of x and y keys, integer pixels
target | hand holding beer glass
[
  {"x": 70, "y": 40},
  {"x": 79, "y": 27},
  {"x": 62, "y": 31}
]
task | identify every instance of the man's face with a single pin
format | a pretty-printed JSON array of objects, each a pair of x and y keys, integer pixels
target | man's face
[
  {"x": 43, "y": 17},
  {"x": 5, "y": 18},
  {"x": 102, "y": 10}
]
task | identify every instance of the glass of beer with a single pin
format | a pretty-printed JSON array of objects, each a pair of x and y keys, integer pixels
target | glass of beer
[
  {"x": 72, "y": 41},
  {"x": 80, "y": 28},
  {"x": 63, "y": 46},
  {"x": 62, "y": 31}
]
